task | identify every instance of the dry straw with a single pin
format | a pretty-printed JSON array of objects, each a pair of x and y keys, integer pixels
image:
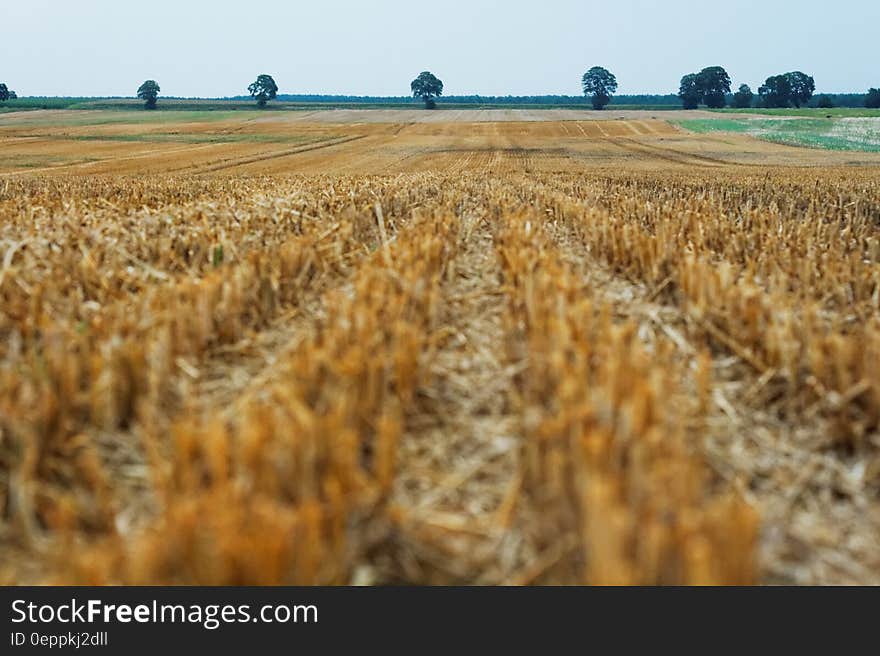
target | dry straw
[{"x": 208, "y": 380}]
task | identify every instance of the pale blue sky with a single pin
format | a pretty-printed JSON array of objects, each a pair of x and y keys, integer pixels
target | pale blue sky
[{"x": 215, "y": 48}]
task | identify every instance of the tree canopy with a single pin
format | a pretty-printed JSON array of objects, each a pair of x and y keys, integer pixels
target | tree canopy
[
  {"x": 710, "y": 87},
  {"x": 601, "y": 84},
  {"x": 263, "y": 89},
  {"x": 5, "y": 93},
  {"x": 689, "y": 91},
  {"x": 714, "y": 84},
  {"x": 793, "y": 88},
  {"x": 427, "y": 87},
  {"x": 872, "y": 100},
  {"x": 802, "y": 87},
  {"x": 743, "y": 98},
  {"x": 775, "y": 92},
  {"x": 149, "y": 93}
]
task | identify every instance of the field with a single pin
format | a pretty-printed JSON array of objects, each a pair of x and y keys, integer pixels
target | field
[
  {"x": 371, "y": 347},
  {"x": 806, "y": 112},
  {"x": 861, "y": 133}
]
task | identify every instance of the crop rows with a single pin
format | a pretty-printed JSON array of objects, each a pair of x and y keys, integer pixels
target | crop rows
[
  {"x": 607, "y": 455},
  {"x": 224, "y": 380}
]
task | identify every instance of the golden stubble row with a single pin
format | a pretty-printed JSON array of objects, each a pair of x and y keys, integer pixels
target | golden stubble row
[
  {"x": 783, "y": 274},
  {"x": 63, "y": 376},
  {"x": 108, "y": 290},
  {"x": 66, "y": 260},
  {"x": 611, "y": 467},
  {"x": 289, "y": 487},
  {"x": 79, "y": 369}
]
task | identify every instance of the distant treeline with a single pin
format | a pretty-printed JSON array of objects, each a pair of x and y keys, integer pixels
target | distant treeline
[
  {"x": 641, "y": 99},
  {"x": 317, "y": 101},
  {"x": 648, "y": 100},
  {"x": 839, "y": 99},
  {"x": 632, "y": 100}
]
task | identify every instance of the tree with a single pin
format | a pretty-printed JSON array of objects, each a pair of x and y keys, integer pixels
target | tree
[
  {"x": 776, "y": 91},
  {"x": 825, "y": 102},
  {"x": 427, "y": 87},
  {"x": 263, "y": 89},
  {"x": 793, "y": 88},
  {"x": 802, "y": 87},
  {"x": 149, "y": 93},
  {"x": 599, "y": 83},
  {"x": 714, "y": 84},
  {"x": 4, "y": 93},
  {"x": 742, "y": 99},
  {"x": 872, "y": 100},
  {"x": 690, "y": 92}
]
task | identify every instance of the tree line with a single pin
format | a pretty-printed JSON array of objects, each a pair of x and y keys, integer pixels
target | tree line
[
  {"x": 426, "y": 86},
  {"x": 710, "y": 87}
]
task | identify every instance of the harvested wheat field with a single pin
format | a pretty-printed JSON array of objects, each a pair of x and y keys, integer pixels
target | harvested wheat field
[{"x": 287, "y": 348}]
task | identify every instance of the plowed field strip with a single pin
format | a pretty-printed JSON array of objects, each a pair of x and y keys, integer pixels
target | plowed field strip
[
  {"x": 667, "y": 154},
  {"x": 224, "y": 166},
  {"x": 129, "y": 158}
]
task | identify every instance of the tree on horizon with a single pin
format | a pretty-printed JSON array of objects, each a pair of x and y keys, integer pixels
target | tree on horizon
[
  {"x": 263, "y": 89},
  {"x": 149, "y": 93},
  {"x": 714, "y": 85},
  {"x": 427, "y": 86},
  {"x": 689, "y": 91},
  {"x": 710, "y": 86},
  {"x": 780, "y": 91},
  {"x": 601, "y": 84},
  {"x": 802, "y": 87}
]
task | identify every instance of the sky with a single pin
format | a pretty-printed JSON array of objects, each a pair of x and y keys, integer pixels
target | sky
[{"x": 202, "y": 48}]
